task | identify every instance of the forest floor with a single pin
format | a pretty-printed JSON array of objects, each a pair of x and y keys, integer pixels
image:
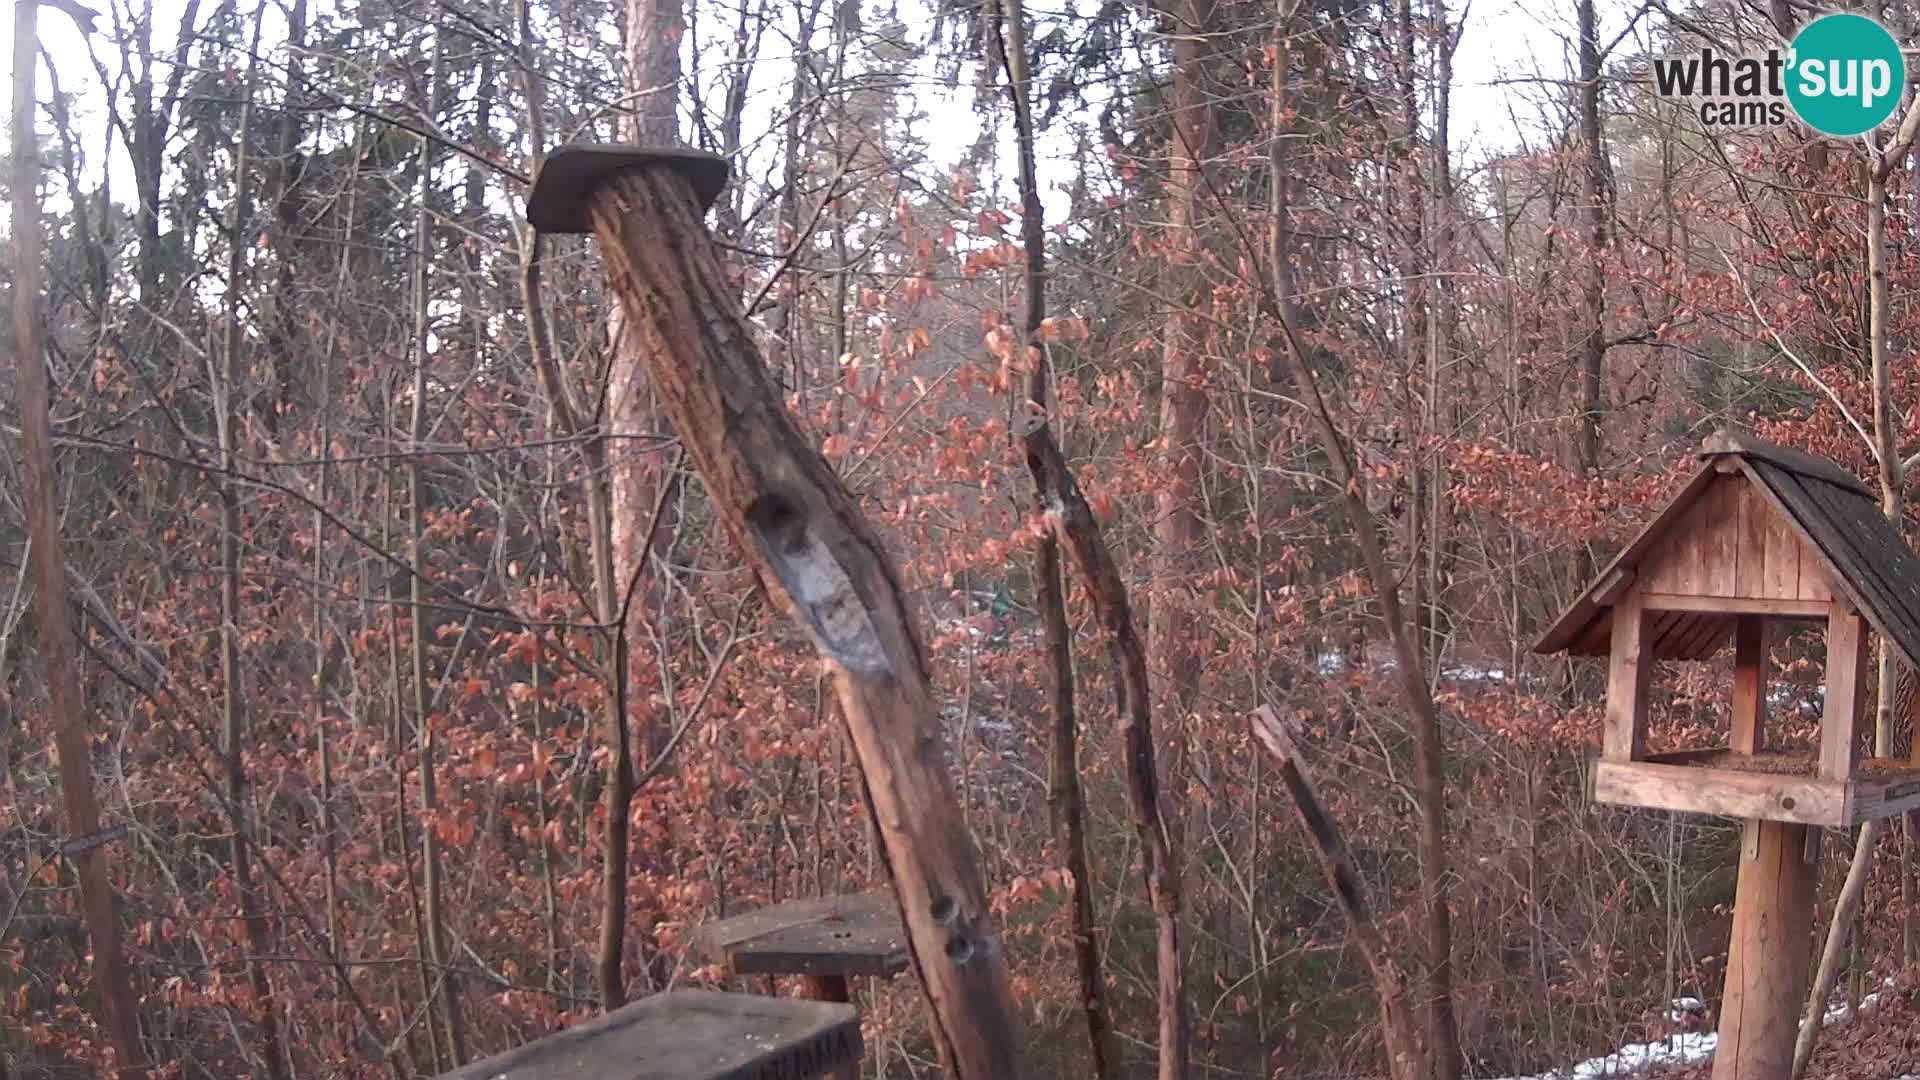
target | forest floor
[{"x": 1878, "y": 1041}]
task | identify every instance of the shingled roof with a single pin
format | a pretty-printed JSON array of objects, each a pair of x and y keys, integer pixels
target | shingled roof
[{"x": 1830, "y": 510}]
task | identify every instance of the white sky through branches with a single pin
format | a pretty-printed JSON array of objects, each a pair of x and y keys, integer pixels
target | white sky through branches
[{"x": 1509, "y": 76}]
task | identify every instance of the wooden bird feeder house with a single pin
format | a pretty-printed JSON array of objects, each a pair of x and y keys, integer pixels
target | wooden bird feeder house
[{"x": 1760, "y": 534}]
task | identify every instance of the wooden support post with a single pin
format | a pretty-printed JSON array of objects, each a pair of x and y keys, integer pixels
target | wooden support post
[
  {"x": 825, "y": 988},
  {"x": 1768, "y": 956},
  {"x": 830, "y": 988},
  {"x": 794, "y": 522},
  {"x": 1749, "y": 684},
  {"x": 1629, "y": 667},
  {"x": 1846, "y": 693}
]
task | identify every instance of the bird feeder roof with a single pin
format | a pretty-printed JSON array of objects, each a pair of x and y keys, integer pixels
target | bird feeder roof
[{"x": 1821, "y": 509}]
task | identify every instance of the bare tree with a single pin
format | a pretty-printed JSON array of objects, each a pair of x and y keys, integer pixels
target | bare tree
[
  {"x": 1065, "y": 798},
  {"x": 112, "y": 982}
]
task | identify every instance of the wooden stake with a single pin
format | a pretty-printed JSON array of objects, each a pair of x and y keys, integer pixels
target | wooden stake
[
  {"x": 796, "y": 525},
  {"x": 830, "y": 988},
  {"x": 1768, "y": 956},
  {"x": 1629, "y": 668},
  {"x": 1846, "y": 693},
  {"x": 1749, "y": 684}
]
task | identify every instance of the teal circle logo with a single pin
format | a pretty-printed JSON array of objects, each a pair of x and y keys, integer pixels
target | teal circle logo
[{"x": 1845, "y": 74}]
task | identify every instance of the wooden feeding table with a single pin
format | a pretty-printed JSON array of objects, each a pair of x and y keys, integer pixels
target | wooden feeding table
[
  {"x": 825, "y": 942},
  {"x": 1761, "y": 534},
  {"x": 690, "y": 1035}
]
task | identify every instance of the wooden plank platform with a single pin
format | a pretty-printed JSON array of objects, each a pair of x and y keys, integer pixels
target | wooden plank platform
[
  {"x": 1771, "y": 786},
  {"x": 689, "y": 1035},
  {"x": 836, "y": 936}
]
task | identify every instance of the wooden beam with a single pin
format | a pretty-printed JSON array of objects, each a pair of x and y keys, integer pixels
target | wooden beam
[
  {"x": 690, "y": 1035},
  {"x": 792, "y": 519},
  {"x": 1613, "y": 586},
  {"x": 1629, "y": 665},
  {"x": 1875, "y": 799},
  {"x": 1749, "y": 684},
  {"x": 1767, "y": 957},
  {"x": 1696, "y": 789},
  {"x": 1772, "y": 607},
  {"x": 1846, "y": 694}
]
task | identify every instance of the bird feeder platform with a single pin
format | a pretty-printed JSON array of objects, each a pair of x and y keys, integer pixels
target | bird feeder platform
[
  {"x": 831, "y": 938},
  {"x": 690, "y": 1035},
  {"x": 1773, "y": 785}
]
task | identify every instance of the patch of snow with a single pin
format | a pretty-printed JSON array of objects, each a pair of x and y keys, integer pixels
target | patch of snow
[
  {"x": 1474, "y": 673},
  {"x": 1685, "y": 1048},
  {"x": 1682, "y": 1049},
  {"x": 1686, "y": 1008}
]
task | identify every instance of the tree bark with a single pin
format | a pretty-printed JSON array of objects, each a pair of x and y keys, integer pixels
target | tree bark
[
  {"x": 1174, "y": 631},
  {"x": 289, "y": 170},
  {"x": 1593, "y": 188},
  {"x": 112, "y": 981},
  {"x": 628, "y": 477},
  {"x": 794, "y": 522},
  {"x": 1892, "y": 503},
  {"x": 1833, "y": 954}
]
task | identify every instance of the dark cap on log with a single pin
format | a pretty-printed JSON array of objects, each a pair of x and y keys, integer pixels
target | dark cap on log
[{"x": 565, "y": 179}]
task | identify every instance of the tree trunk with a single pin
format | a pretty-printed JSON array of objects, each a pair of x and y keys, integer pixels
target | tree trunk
[
  {"x": 1293, "y": 362},
  {"x": 1593, "y": 197},
  {"x": 1892, "y": 480},
  {"x": 432, "y": 884},
  {"x": 112, "y": 981},
  {"x": 1064, "y": 796},
  {"x": 288, "y": 171},
  {"x": 1175, "y": 632},
  {"x": 628, "y": 474},
  {"x": 233, "y": 711}
]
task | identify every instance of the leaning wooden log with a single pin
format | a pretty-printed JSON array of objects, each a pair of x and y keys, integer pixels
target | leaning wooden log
[
  {"x": 796, "y": 525},
  {"x": 1073, "y": 523},
  {"x": 1406, "y": 1053}
]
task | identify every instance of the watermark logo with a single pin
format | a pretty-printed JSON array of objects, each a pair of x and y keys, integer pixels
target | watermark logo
[{"x": 1842, "y": 75}]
